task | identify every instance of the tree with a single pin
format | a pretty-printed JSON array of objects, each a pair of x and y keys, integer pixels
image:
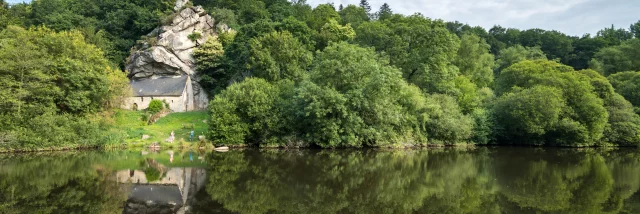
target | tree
[
  {"x": 280, "y": 10},
  {"x": 322, "y": 15},
  {"x": 122, "y": 21},
  {"x": 627, "y": 84},
  {"x": 278, "y": 56},
  {"x": 423, "y": 49},
  {"x": 6, "y": 17},
  {"x": 224, "y": 16},
  {"x": 384, "y": 12},
  {"x": 299, "y": 30},
  {"x": 515, "y": 54},
  {"x": 584, "y": 118},
  {"x": 475, "y": 61},
  {"x": 635, "y": 30},
  {"x": 584, "y": 49},
  {"x": 250, "y": 11},
  {"x": 50, "y": 82},
  {"x": 353, "y": 15},
  {"x": 210, "y": 63},
  {"x": 364, "y": 4},
  {"x": 615, "y": 36},
  {"x": 526, "y": 116},
  {"x": 247, "y": 113},
  {"x": 238, "y": 53},
  {"x": 334, "y": 32},
  {"x": 623, "y": 57},
  {"x": 351, "y": 100}
]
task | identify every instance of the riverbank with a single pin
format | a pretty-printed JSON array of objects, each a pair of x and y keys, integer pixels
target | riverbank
[
  {"x": 129, "y": 130},
  {"x": 140, "y": 134}
]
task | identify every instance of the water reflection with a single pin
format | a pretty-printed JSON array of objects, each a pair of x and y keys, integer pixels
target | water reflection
[
  {"x": 504, "y": 180},
  {"x": 483, "y": 180}
]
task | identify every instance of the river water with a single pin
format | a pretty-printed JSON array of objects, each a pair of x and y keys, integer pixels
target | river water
[{"x": 480, "y": 180}]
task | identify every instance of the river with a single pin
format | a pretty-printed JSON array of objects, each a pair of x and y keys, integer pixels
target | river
[{"x": 480, "y": 180}]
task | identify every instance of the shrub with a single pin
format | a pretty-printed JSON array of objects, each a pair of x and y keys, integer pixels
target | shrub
[
  {"x": 155, "y": 106},
  {"x": 194, "y": 36}
]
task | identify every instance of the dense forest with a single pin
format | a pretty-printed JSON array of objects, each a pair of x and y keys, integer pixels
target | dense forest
[{"x": 330, "y": 76}]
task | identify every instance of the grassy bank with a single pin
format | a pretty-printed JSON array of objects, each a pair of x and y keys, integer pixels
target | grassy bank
[{"x": 132, "y": 125}]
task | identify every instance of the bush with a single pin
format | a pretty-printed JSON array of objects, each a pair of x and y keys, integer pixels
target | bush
[
  {"x": 545, "y": 102},
  {"x": 525, "y": 116},
  {"x": 352, "y": 98},
  {"x": 194, "y": 36},
  {"x": 155, "y": 106}
]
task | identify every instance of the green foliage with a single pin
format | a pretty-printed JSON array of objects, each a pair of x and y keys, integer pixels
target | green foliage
[
  {"x": 248, "y": 113},
  {"x": 283, "y": 42},
  {"x": 635, "y": 29},
  {"x": 353, "y": 15},
  {"x": 210, "y": 63},
  {"x": 276, "y": 56},
  {"x": 123, "y": 22},
  {"x": 226, "y": 38},
  {"x": 420, "y": 47},
  {"x": 51, "y": 82},
  {"x": 322, "y": 15},
  {"x": 529, "y": 114},
  {"x": 352, "y": 98},
  {"x": 384, "y": 12},
  {"x": 155, "y": 106},
  {"x": 619, "y": 58},
  {"x": 574, "y": 115},
  {"x": 299, "y": 30},
  {"x": 334, "y": 32},
  {"x": 195, "y": 36},
  {"x": 515, "y": 54},
  {"x": 224, "y": 16},
  {"x": 10, "y": 15},
  {"x": 209, "y": 55},
  {"x": 627, "y": 84},
  {"x": 475, "y": 61}
]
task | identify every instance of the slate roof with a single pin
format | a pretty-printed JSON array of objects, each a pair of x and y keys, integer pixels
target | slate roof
[
  {"x": 156, "y": 193},
  {"x": 164, "y": 86}
]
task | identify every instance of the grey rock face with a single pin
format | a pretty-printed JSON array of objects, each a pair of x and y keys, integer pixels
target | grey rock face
[{"x": 168, "y": 49}]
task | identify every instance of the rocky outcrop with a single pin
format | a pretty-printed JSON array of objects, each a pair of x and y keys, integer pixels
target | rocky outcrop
[{"x": 167, "y": 50}]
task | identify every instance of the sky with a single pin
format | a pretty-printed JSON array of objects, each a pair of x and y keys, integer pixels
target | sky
[{"x": 573, "y": 17}]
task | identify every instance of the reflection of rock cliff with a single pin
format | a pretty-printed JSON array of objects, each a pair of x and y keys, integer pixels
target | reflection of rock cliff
[
  {"x": 168, "y": 50},
  {"x": 173, "y": 193}
]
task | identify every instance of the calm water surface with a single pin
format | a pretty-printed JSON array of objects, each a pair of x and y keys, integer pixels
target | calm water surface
[{"x": 482, "y": 180}]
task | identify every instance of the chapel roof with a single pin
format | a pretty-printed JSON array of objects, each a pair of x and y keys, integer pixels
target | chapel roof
[{"x": 163, "y": 86}]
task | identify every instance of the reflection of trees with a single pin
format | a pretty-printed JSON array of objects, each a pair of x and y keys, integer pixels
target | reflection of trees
[
  {"x": 69, "y": 183},
  {"x": 482, "y": 180},
  {"x": 446, "y": 181},
  {"x": 566, "y": 181},
  {"x": 503, "y": 180}
]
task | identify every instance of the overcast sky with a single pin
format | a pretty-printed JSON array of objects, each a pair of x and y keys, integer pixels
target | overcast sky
[{"x": 574, "y": 17}]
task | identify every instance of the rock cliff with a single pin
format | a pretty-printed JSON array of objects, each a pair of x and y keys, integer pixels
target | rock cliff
[{"x": 167, "y": 50}]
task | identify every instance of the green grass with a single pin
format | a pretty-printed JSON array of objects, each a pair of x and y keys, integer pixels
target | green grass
[{"x": 131, "y": 123}]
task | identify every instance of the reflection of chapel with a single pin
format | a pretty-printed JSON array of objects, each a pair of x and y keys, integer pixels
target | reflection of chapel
[
  {"x": 173, "y": 193},
  {"x": 176, "y": 91}
]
